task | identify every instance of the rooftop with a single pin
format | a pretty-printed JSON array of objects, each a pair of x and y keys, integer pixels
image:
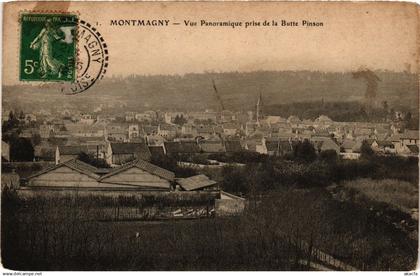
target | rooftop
[{"x": 195, "y": 182}]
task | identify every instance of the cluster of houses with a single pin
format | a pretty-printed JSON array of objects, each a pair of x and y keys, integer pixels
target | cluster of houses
[
  {"x": 128, "y": 144},
  {"x": 150, "y": 132}
]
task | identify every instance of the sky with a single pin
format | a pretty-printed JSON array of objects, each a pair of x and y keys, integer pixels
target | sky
[{"x": 354, "y": 35}]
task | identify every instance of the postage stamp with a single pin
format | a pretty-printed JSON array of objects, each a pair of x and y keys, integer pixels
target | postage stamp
[
  {"x": 60, "y": 48},
  {"x": 48, "y": 47}
]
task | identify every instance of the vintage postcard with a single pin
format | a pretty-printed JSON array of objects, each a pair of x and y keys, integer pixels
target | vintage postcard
[{"x": 229, "y": 136}]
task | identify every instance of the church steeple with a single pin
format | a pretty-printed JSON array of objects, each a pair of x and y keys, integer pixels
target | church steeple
[{"x": 259, "y": 112}]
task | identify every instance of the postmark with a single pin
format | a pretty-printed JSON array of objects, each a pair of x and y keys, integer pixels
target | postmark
[
  {"x": 47, "y": 47},
  {"x": 61, "y": 50},
  {"x": 92, "y": 58}
]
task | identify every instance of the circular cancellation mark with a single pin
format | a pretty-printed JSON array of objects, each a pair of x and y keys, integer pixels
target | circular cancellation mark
[{"x": 92, "y": 59}]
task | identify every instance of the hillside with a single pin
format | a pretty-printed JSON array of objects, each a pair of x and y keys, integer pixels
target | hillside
[{"x": 237, "y": 90}]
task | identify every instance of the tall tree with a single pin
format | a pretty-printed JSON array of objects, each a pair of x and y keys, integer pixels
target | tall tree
[
  {"x": 304, "y": 151},
  {"x": 21, "y": 149}
]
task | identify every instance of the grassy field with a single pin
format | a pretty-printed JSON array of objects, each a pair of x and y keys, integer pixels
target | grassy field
[
  {"x": 62, "y": 235},
  {"x": 400, "y": 194}
]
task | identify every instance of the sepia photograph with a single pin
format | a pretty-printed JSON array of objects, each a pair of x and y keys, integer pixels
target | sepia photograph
[{"x": 209, "y": 136}]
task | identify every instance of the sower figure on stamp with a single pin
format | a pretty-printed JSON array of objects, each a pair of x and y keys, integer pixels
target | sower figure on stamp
[{"x": 44, "y": 42}]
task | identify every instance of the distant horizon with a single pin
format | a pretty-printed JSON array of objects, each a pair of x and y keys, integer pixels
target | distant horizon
[{"x": 113, "y": 76}]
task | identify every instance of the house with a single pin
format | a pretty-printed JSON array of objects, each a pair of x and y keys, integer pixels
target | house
[
  {"x": 227, "y": 116},
  {"x": 410, "y": 137},
  {"x": 75, "y": 174},
  {"x": 85, "y": 130},
  {"x": 322, "y": 122},
  {"x": 184, "y": 147},
  {"x": 69, "y": 174},
  {"x": 133, "y": 131},
  {"x": 383, "y": 146},
  {"x": 44, "y": 151},
  {"x": 274, "y": 120},
  {"x": 155, "y": 140},
  {"x": 293, "y": 121},
  {"x": 167, "y": 131},
  {"x": 254, "y": 145},
  {"x": 208, "y": 115},
  {"x": 150, "y": 130},
  {"x": 120, "y": 153},
  {"x": 116, "y": 133},
  {"x": 196, "y": 182},
  {"x": 68, "y": 152},
  {"x": 87, "y": 119},
  {"x": 30, "y": 118},
  {"x": 29, "y": 132},
  {"x": 230, "y": 129},
  {"x": 323, "y": 144},
  {"x": 278, "y": 147},
  {"x": 45, "y": 131},
  {"x": 205, "y": 131},
  {"x": 129, "y": 116},
  {"x": 143, "y": 117},
  {"x": 188, "y": 129},
  {"x": 350, "y": 149},
  {"x": 404, "y": 142}
]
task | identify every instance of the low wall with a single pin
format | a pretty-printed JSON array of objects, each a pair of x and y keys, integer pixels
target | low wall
[{"x": 229, "y": 207}]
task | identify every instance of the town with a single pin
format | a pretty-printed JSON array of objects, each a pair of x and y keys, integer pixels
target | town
[
  {"x": 113, "y": 173},
  {"x": 116, "y": 139}
]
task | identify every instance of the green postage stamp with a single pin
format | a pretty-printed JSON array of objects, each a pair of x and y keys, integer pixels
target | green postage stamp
[{"x": 48, "y": 47}]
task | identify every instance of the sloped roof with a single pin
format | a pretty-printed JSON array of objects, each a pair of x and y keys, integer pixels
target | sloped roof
[
  {"x": 139, "y": 149},
  {"x": 168, "y": 127},
  {"x": 394, "y": 137},
  {"x": 74, "y": 164},
  {"x": 144, "y": 165},
  {"x": 413, "y": 148},
  {"x": 195, "y": 182},
  {"x": 72, "y": 150},
  {"x": 385, "y": 143},
  {"x": 410, "y": 134},
  {"x": 156, "y": 150},
  {"x": 324, "y": 143},
  {"x": 44, "y": 150},
  {"x": 88, "y": 140},
  {"x": 181, "y": 147},
  {"x": 348, "y": 144},
  {"x": 278, "y": 146},
  {"x": 205, "y": 130},
  {"x": 323, "y": 118},
  {"x": 357, "y": 146}
]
